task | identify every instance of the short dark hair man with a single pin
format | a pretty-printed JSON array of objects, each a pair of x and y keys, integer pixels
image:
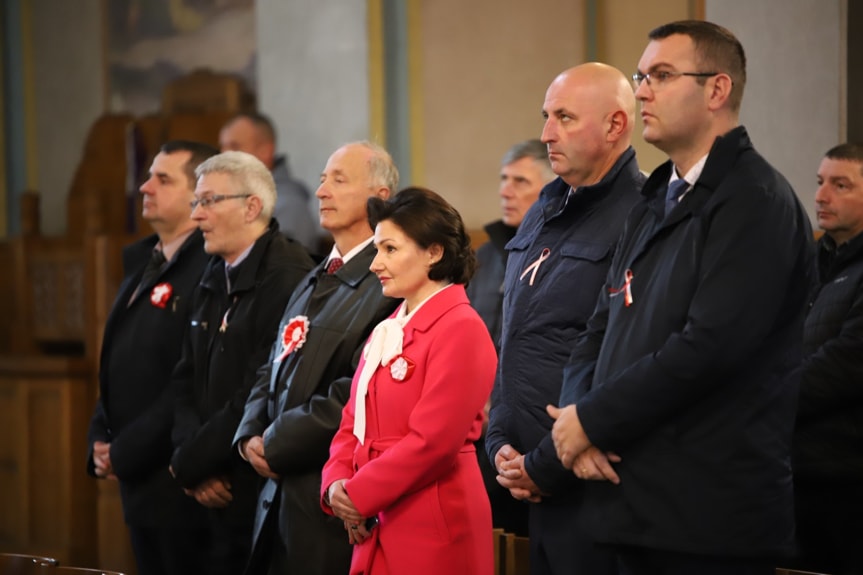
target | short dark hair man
[
  {"x": 827, "y": 458},
  {"x": 130, "y": 432},
  {"x": 681, "y": 392}
]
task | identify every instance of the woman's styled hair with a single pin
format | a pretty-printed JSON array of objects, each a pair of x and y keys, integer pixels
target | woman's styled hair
[{"x": 428, "y": 219}]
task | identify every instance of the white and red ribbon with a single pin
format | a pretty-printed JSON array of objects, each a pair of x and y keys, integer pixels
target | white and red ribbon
[
  {"x": 625, "y": 289},
  {"x": 294, "y": 335},
  {"x": 161, "y": 294},
  {"x": 534, "y": 267}
]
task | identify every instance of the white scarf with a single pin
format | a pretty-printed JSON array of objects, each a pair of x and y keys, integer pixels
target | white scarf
[{"x": 384, "y": 346}]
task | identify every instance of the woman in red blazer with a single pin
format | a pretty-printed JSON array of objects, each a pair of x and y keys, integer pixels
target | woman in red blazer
[{"x": 402, "y": 472}]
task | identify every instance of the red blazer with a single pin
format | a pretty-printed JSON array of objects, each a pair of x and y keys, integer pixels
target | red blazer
[{"x": 417, "y": 470}]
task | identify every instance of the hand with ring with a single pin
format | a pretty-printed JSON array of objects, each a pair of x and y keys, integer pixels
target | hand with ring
[
  {"x": 357, "y": 532},
  {"x": 593, "y": 464}
]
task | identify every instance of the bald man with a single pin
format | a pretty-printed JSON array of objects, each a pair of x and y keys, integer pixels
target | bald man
[
  {"x": 556, "y": 267},
  {"x": 296, "y": 208}
]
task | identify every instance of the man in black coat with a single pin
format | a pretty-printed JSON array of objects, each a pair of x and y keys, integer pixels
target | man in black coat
[
  {"x": 130, "y": 432},
  {"x": 235, "y": 312},
  {"x": 680, "y": 395},
  {"x": 296, "y": 405},
  {"x": 827, "y": 457}
]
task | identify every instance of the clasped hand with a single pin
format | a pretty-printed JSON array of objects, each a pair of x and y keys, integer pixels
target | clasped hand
[
  {"x": 344, "y": 509},
  {"x": 574, "y": 449}
]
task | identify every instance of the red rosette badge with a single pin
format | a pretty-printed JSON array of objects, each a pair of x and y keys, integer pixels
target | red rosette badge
[
  {"x": 402, "y": 368},
  {"x": 294, "y": 335},
  {"x": 161, "y": 294}
]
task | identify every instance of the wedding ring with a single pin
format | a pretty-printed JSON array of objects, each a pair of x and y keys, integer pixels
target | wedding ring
[{"x": 584, "y": 470}]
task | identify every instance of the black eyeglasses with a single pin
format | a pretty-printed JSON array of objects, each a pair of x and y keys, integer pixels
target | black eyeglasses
[
  {"x": 208, "y": 201},
  {"x": 656, "y": 80}
]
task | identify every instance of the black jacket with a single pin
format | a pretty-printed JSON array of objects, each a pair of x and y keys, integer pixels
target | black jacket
[
  {"x": 694, "y": 384},
  {"x": 485, "y": 290},
  {"x": 296, "y": 405},
  {"x": 141, "y": 345},
  {"x": 829, "y": 431},
  {"x": 219, "y": 361}
]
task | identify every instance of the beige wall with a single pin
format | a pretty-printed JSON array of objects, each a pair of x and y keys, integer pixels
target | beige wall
[
  {"x": 485, "y": 66},
  {"x": 622, "y": 29},
  {"x": 69, "y": 89}
]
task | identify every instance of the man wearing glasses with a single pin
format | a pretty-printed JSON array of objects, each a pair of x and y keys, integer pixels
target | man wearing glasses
[
  {"x": 235, "y": 312},
  {"x": 680, "y": 395}
]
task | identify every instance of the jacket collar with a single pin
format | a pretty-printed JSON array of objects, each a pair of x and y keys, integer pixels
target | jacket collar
[
  {"x": 553, "y": 194},
  {"x": 499, "y": 234},
  {"x": 356, "y": 268},
  {"x": 247, "y": 271},
  {"x": 433, "y": 309},
  {"x": 832, "y": 258},
  {"x": 136, "y": 255},
  {"x": 720, "y": 160}
]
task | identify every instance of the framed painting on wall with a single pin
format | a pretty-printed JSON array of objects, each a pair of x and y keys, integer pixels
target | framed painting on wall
[{"x": 152, "y": 42}]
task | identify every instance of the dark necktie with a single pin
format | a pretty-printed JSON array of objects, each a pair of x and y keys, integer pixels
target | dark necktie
[
  {"x": 334, "y": 265},
  {"x": 672, "y": 196},
  {"x": 151, "y": 272}
]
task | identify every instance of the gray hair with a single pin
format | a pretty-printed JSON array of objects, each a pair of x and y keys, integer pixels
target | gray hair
[
  {"x": 249, "y": 175},
  {"x": 382, "y": 169},
  {"x": 533, "y": 149}
]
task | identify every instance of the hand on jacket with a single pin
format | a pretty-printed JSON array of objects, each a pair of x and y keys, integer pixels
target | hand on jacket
[
  {"x": 567, "y": 433},
  {"x": 253, "y": 450},
  {"x": 102, "y": 460},
  {"x": 214, "y": 492},
  {"x": 595, "y": 465}
]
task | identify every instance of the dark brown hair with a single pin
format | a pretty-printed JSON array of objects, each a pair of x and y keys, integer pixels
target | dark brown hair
[
  {"x": 716, "y": 49},
  {"x": 428, "y": 219},
  {"x": 198, "y": 151}
]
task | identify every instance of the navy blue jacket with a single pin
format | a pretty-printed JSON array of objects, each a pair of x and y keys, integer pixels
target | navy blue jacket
[
  {"x": 544, "y": 313},
  {"x": 694, "y": 384},
  {"x": 485, "y": 290}
]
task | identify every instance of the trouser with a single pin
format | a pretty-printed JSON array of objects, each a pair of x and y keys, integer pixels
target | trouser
[{"x": 170, "y": 551}]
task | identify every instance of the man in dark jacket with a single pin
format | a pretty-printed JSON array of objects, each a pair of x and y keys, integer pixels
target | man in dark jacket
[
  {"x": 130, "y": 432},
  {"x": 296, "y": 405},
  {"x": 235, "y": 313},
  {"x": 524, "y": 171},
  {"x": 557, "y": 263},
  {"x": 827, "y": 457},
  {"x": 684, "y": 384}
]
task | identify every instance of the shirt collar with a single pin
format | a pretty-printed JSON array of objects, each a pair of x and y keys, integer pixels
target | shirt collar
[
  {"x": 172, "y": 247},
  {"x": 334, "y": 253},
  {"x": 692, "y": 175}
]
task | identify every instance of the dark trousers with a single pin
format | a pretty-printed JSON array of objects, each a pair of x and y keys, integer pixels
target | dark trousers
[
  {"x": 641, "y": 561},
  {"x": 168, "y": 551},
  {"x": 231, "y": 543},
  {"x": 829, "y": 527},
  {"x": 561, "y": 545}
]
